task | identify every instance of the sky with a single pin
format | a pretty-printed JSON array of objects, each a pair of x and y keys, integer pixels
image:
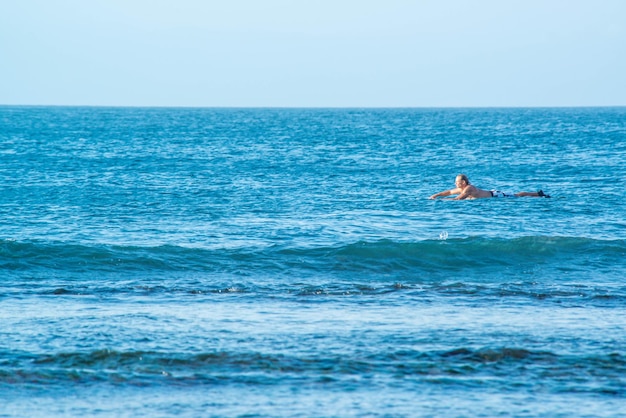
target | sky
[{"x": 313, "y": 53}]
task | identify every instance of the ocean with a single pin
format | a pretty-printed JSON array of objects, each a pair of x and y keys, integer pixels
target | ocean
[{"x": 207, "y": 262}]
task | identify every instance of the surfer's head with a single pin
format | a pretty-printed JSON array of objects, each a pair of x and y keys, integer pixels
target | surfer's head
[{"x": 461, "y": 180}]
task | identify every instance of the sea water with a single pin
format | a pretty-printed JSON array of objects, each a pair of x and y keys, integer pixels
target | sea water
[{"x": 288, "y": 262}]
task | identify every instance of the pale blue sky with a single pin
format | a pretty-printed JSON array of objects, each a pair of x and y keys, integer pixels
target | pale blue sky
[{"x": 313, "y": 52}]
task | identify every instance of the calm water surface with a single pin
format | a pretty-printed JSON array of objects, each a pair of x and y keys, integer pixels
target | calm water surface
[{"x": 288, "y": 262}]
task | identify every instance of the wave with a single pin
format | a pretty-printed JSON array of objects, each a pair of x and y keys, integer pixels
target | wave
[
  {"x": 380, "y": 256},
  {"x": 512, "y": 366},
  {"x": 564, "y": 270}
]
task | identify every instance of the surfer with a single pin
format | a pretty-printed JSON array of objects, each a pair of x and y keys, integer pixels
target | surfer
[{"x": 465, "y": 190}]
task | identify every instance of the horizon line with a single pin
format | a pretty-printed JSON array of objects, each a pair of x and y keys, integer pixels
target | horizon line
[{"x": 316, "y": 107}]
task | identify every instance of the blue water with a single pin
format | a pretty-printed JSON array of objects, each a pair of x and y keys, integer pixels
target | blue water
[{"x": 288, "y": 262}]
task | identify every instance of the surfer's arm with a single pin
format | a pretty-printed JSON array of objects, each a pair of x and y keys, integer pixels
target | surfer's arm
[
  {"x": 446, "y": 193},
  {"x": 464, "y": 194}
]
